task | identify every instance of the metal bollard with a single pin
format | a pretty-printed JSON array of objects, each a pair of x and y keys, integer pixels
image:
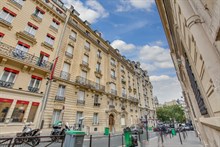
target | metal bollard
[
  {"x": 90, "y": 142},
  {"x": 161, "y": 135},
  {"x": 122, "y": 140},
  {"x": 184, "y": 135},
  {"x": 170, "y": 135},
  {"x": 180, "y": 137},
  {"x": 109, "y": 138}
]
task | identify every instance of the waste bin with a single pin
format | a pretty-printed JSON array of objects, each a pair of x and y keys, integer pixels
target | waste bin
[
  {"x": 173, "y": 132},
  {"x": 128, "y": 138},
  {"x": 74, "y": 138},
  {"x": 106, "y": 131}
]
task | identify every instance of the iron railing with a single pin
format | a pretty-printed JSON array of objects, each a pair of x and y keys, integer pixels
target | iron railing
[
  {"x": 13, "y": 53},
  {"x": 65, "y": 75},
  {"x": 6, "y": 84},
  {"x": 90, "y": 84},
  {"x": 33, "y": 89},
  {"x": 16, "y": 3},
  {"x": 59, "y": 98}
]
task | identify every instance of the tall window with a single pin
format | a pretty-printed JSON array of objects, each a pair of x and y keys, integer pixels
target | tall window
[
  {"x": 78, "y": 116},
  {"x": 20, "y": 2},
  {"x": 96, "y": 99},
  {"x": 113, "y": 86},
  {"x": 85, "y": 59},
  {"x": 99, "y": 54},
  {"x": 113, "y": 63},
  {"x": 123, "y": 91},
  {"x": 87, "y": 45},
  {"x": 5, "y": 105},
  {"x": 44, "y": 57},
  {"x": 113, "y": 75},
  {"x": 56, "y": 116},
  {"x": 1, "y": 36},
  {"x": 31, "y": 29},
  {"x": 73, "y": 35},
  {"x": 81, "y": 95},
  {"x": 84, "y": 74},
  {"x": 97, "y": 80},
  {"x": 50, "y": 39},
  {"x": 55, "y": 24},
  {"x": 39, "y": 12},
  {"x": 95, "y": 118},
  {"x": 19, "y": 111},
  {"x": 66, "y": 67},
  {"x": 20, "y": 50},
  {"x": 69, "y": 51},
  {"x": 35, "y": 81},
  {"x": 8, "y": 77},
  {"x": 98, "y": 67},
  {"x": 61, "y": 91},
  {"x": 7, "y": 15},
  {"x": 33, "y": 111}
]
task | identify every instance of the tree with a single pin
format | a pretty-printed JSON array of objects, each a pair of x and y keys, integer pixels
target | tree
[{"x": 171, "y": 113}]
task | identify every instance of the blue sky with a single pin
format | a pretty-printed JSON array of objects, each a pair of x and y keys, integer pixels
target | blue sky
[{"x": 134, "y": 27}]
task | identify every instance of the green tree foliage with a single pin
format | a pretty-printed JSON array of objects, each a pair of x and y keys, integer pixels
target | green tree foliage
[{"x": 171, "y": 113}]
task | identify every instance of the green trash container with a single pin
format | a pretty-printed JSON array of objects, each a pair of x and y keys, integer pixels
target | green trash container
[
  {"x": 173, "y": 132},
  {"x": 127, "y": 135},
  {"x": 106, "y": 131},
  {"x": 74, "y": 138}
]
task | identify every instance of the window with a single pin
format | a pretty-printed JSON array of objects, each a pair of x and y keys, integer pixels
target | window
[
  {"x": 98, "y": 67},
  {"x": 1, "y": 36},
  {"x": 123, "y": 91},
  {"x": 66, "y": 67},
  {"x": 20, "y": 2},
  {"x": 85, "y": 59},
  {"x": 87, "y": 45},
  {"x": 20, "y": 50},
  {"x": 78, "y": 116},
  {"x": 113, "y": 62},
  {"x": 33, "y": 111},
  {"x": 113, "y": 74},
  {"x": 65, "y": 72},
  {"x": 97, "y": 80},
  {"x": 19, "y": 111},
  {"x": 96, "y": 99},
  {"x": 61, "y": 91},
  {"x": 50, "y": 39},
  {"x": 44, "y": 57},
  {"x": 39, "y": 12},
  {"x": 123, "y": 120},
  {"x": 55, "y": 24},
  {"x": 8, "y": 77},
  {"x": 69, "y": 51},
  {"x": 99, "y": 54},
  {"x": 35, "y": 81},
  {"x": 81, "y": 95},
  {"x": 7, "y": 15},
  {"x": 31, "y": 29},
  {"x": 56, "y": 116},
  {"x": 84, "y": 74},
  {"x": 5, "y": 105},
  {"x": 73, "y": 35},
  {"x": 95, "y": 118},
  {"x": 113, "y": 86}
]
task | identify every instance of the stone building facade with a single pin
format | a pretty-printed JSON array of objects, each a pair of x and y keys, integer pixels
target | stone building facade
[
  {"x": 91, "y": 80},
  {"x": 192, "y": 28}
]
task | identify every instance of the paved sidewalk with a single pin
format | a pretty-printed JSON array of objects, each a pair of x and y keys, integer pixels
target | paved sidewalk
[{"x": 190, "y": 141}]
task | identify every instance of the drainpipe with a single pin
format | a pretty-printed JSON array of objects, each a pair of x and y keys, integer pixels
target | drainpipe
[{"x": 49, "y": 82}]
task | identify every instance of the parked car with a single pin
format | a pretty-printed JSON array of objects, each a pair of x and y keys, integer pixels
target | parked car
[{"x": 135, "y": 129}]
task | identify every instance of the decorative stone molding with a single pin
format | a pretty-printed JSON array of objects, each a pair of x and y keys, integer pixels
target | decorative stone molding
[
  {"x": 5, "y": 24},
  {"x": 48, "y": 46},
  {"x": 85, "y": 67},
  {"x": 26, "y": 36},
  {"x": 98, "y": 74},
  {"x": 4, "y": 60}
]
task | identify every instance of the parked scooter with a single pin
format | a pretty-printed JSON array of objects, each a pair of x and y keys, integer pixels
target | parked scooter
[
  {"x": 58, "y": 131},
  {"x": 28, "y": 132}
]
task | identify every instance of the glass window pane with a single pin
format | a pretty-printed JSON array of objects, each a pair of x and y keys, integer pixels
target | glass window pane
[
  {"x": 4, "y": 76},
  {"x": 32, "y": 82},
  {"x": 81, "y": 95},
  {"x": 70, "y": 49},
  {"x": 11, "y": 78},
  {"x": 19, "y": 111},
  {"x": 32, "y": 112},
  {"x": 56, "y": 116},
  {"x": 5, "y": 105},
  {"x": 37, "y": 83},
  {"x": 3, "y": 14}
]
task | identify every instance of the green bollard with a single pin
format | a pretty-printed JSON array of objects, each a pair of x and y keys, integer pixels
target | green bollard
[
  {"x": 173, "y": 132},
  {"x": 127, "y": 135}
]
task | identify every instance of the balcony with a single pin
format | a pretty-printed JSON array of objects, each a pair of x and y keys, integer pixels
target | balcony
[
  {"x": 5, "y": 23},
  {"x": 111, "y": 106},
  {"x": 6, "y": 84},
  {"x": 36, "y": 18},
  {"x": 81, "y": 102},
  {"x": 70, "y": 55},
  {"x": 97, "y": 104},
  {"x": 65, "y": 75},
  {"x": 23, "y": 57},
  {"x": 85, "y": 66},
  {"x": 14, "y": 2},
  {"x": 27, "y": 36},
  {"x": 89, "y": 84},
  {"x": 33, "y": 89},
  {"x": 59, "y": 98},
  {"x": 114, "y": 92}
]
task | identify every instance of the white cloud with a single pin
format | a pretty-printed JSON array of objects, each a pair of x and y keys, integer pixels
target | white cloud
[
  {"x": 122, "y": 46},
  {"x": 91, "y": 10},
  {"x": 148, "y": 67},
  {"x": 127, "y": 5},
  {"x": 166, "y": 88},
  {"x": 159, "y": 78}
]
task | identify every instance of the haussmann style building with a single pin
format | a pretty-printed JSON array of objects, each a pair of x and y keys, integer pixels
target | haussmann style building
[
  {"x": 192, "y": 28},
  {"x": 53, "y": 66}
]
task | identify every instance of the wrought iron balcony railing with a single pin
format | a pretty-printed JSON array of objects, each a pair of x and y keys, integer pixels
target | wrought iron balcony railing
[
  {"x": 59, "y": 98},
  {"x": 89, "y": 83},
  {"x": 6, "y": 84},
  {"x": 65, "y": 75},
  {"x": 97, "y": 104},
  {"x": 113, "y": 91},
  {"x": 13, "y": 53},
  {"x": 111, "y": 106},
  {"x": 82, "y": 102},
  {"x": 33, "y": 89}
]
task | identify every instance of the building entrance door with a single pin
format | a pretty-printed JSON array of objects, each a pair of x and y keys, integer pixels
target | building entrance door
[{"x": 111, "y": 122}]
